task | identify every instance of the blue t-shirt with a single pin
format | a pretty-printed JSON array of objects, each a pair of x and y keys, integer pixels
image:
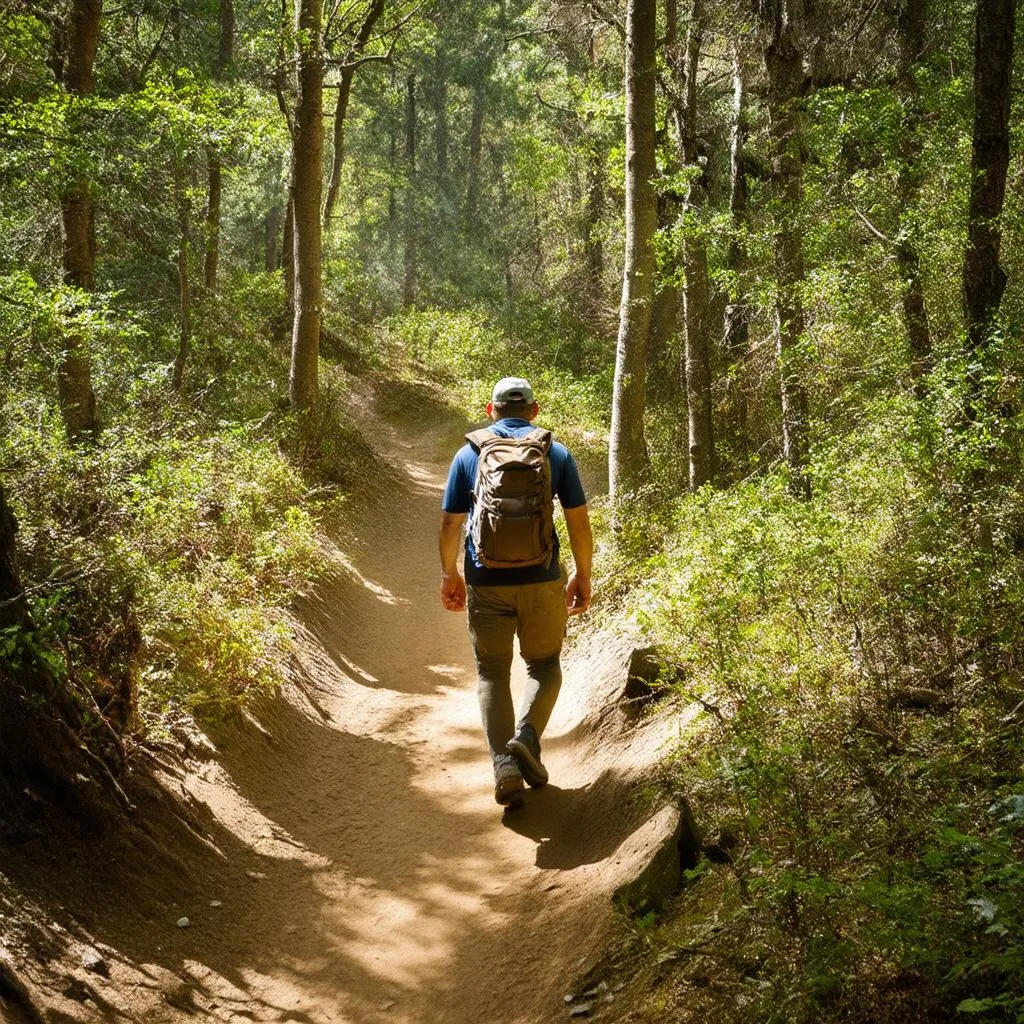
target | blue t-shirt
[{"x": 458, "y": 498}]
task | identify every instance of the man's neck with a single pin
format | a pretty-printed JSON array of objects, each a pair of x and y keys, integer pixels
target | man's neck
[{"x": 512, "y": 421}]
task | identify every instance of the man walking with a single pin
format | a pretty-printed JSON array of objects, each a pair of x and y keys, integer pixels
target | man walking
[{"x": 505, "y": 478}]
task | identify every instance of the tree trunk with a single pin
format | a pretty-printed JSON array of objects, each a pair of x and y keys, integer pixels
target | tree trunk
[
  {"x": 348, "y": 72},
  {"x": 736, "y": 326},
  {"x": 306, "y": 196},
  {"x": 74, "y": 374},
  {"x": 783, "y": 61},
  {"x": 696, "y": 288},
  {"x": 225, "y": 38},
  {"x": 225, "y": 53},
  {"x": 627, "y": 452},
  {"x": 984, "y": 278},
  {"x": 184, "y": 294},
  {"x": 476, "y": 138},
  {"x": 212, "y": 219},
  {"x": 409, "y": 260},
  {"x": 911, "y": 47}
]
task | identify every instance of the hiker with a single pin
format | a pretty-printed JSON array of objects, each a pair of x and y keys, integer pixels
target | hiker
[{"x": 505, "y": 478}]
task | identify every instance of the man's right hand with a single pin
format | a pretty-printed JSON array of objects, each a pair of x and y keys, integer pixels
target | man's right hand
[
  {"x": 577, "y": 594},
  {"x": 453, "y": 592}
]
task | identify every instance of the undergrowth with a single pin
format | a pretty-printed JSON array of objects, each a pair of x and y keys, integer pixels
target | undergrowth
[
  {"x": 161, "y": 557},
  {"x": 858, "y": 759}
]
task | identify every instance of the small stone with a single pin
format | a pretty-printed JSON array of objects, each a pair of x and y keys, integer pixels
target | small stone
[
  {"x": 602, "y": 986},
  {"x": 569, "y": 997},
  {"x": 184, "y": 922},
  {"x": 92, "y": 961},
  {"x": 90, "y": 1004},
  {"x": 591, "y": 992},
  {"x": 582, "y": 1010},
  {"x": 387, "y": 1004},
  {"x": 216, "y": 903},
  {"x": 256, "y": 876},
  {"x": 610, "y": 998}
]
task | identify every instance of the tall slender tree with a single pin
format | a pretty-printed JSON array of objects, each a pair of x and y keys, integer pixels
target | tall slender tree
[
  {"x": 306, "y": 194},
  {"x": 911, "y": 45},
  {"x": 349, "y": 65},
  {"x": 627, "y": 449},
  {"x": 736, "y": 322},
  {"x": 782, "y": 34},
  {"x": 225, "y": 54},
  {"x": 984, "y": 278},
  {"x": 74, "y": 373},
  {"x": 696, "y": 287}
]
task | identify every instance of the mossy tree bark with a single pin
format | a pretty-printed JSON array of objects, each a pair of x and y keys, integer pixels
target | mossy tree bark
[{"x": 628, "y": 459}]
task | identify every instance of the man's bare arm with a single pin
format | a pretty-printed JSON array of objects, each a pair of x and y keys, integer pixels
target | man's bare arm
[
  {"x": 581, "y": 540},
  {"x": 453, "y": 586}
]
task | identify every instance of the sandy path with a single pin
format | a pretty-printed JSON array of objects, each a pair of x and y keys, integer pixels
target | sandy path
[{"x": 363, "y": 871}]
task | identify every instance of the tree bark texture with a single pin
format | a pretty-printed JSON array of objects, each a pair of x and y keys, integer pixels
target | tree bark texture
[
  {"x": 696, "y": 287},
  {"x": 984, "y": 278},
  {"x": 409, "y": 262},
  {"x": 74, "y": 374},
  {"x": 348, "y": 72},
  {"x": 306, "y": 195},
  {"x": 783, "y": 61},
  {"x": 627, "y": 454},
  {"x": 736, "y": 325},
  {"x": 911, "y": 45}
]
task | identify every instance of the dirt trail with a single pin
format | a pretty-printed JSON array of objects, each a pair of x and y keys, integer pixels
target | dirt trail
[{"x": 363, "y": 871}]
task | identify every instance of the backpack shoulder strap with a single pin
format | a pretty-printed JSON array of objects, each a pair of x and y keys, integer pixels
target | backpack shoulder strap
[
  {"x": 541, "y": 436},
  {"x": 478, "y": 438}
]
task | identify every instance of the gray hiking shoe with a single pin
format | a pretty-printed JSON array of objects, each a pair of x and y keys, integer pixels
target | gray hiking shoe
[
  {"x": 508, "y": 782},
  {"x": 525, "y": 748}
]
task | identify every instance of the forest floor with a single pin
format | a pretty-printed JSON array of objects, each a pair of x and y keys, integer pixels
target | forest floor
[{"x": 344, "y": 859}]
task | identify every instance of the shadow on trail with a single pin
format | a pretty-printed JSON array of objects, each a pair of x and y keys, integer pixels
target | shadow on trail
[{"x": 580, "y": 826}]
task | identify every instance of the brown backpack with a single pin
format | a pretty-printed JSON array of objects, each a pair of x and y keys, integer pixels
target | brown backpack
[{"x": 513, "y": 514}]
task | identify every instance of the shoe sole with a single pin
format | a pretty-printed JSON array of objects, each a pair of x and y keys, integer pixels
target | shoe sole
[
  {"x": 510, "y": 792},
  {"x": 533, "y": 771}
]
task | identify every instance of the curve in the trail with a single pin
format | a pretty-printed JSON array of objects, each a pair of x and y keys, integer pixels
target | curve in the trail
[{"x": 356, "y": 868}]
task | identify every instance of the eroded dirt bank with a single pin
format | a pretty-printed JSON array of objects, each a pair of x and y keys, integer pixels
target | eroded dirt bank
[{"x": 347, "y": 862}]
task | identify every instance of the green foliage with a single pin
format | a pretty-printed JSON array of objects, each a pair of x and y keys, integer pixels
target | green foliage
[{"x": 855, "y": 662}]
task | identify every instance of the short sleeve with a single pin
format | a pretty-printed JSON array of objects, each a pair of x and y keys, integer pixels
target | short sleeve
[
  {"x": 570, "y": 487},
  {"x": 459, "y": 487}
]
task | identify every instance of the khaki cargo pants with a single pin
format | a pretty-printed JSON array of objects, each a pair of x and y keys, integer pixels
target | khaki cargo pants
[{"x": 536, "y": 611}]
